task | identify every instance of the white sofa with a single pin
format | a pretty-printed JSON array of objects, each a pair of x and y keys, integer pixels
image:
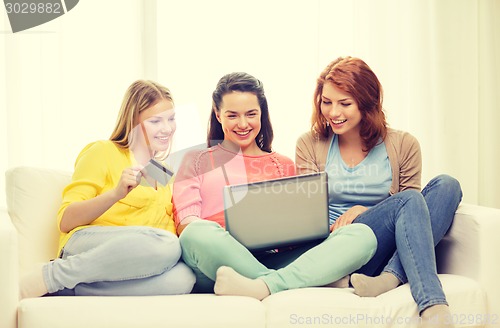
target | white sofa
[{"x": 468, "y": 267}]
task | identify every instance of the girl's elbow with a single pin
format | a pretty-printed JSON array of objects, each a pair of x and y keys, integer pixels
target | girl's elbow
[
  {"x": 63, "y": 227},
  {"x": 64, "y": 224}
]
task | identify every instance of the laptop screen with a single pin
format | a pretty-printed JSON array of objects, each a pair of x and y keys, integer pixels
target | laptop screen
[{"x": 280, "y": 212}]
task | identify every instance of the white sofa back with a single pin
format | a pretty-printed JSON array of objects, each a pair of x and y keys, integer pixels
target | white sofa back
[{"x": 33, "y": 199}]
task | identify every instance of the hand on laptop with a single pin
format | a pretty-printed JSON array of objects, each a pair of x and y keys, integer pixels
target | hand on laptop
[
  {"x": 187, "y": 220},
  {"x": 349, "y": 216}
]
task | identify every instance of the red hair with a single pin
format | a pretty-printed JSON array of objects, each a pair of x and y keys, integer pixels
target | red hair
[{"x": 354, "y": 77}]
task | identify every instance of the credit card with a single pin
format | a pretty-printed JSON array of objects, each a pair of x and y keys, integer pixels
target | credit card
[{"x": 158, "y": 171}]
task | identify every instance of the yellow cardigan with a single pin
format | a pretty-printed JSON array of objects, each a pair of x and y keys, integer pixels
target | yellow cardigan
[
  {"x": 403, "y": 151},
  {"x": 98, "y": 168}
]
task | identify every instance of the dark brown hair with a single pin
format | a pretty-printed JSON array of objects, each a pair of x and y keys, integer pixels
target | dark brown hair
[{"x": 242, "y": 82}]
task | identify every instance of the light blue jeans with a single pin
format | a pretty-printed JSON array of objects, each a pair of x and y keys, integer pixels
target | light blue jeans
[
  {"x": 408, "y": 225},
  {"x": 206, "y": 246},
  {"x": 119, "y": 261}
]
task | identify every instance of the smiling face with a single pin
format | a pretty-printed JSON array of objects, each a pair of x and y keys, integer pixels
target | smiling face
[
  {"x": 340, "y": 110},
  {"x": 157, "y": 124},
  {"x": 240, "y": 116}
]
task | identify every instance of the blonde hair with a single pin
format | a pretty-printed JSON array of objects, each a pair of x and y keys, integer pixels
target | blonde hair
[{"x": 140, "y": 95}]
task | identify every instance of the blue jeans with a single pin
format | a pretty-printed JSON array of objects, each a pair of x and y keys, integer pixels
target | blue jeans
[
  {"x": 206, "y": 246},
  {"x": 119, "y": 261},
  {"x": 408, "y": 225}
]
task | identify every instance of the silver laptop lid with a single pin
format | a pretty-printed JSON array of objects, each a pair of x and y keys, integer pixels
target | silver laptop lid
[{"x": 279, "y": 212}]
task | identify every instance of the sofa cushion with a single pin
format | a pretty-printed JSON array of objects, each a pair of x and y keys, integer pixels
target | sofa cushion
[
  {"x": 333, "y": 307},
  {"x": 200, "y": 310},
  {"x": 33, "y": 199}
]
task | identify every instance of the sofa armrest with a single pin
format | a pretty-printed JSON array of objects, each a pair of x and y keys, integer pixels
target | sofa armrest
[
  {"x": 9, "y": 277},
  {"x": 471, "y": 249}
]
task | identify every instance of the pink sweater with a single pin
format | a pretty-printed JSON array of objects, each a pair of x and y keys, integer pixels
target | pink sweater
[{"x": 199, "y": 183}]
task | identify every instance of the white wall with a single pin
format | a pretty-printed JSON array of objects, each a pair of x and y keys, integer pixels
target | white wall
[
  {"x": 62, "y": 82},
  {"x": 200, "y": 41},
  {"x": 426, "y": 54}
]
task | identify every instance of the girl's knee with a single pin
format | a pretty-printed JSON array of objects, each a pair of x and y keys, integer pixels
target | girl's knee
[
  {"x": 161, "y": 245},
  {"x": 197, "y": 232},
  {"x": 410, "y": 194},
  {"x": 367, "y": 237},
  {"x": 364, "y": 235},
  {"x": 446, "y": 180},
  {"x": 411, "y": 197},
  {"x": 181, "y": 279},
  {"x": 448, "y": 184}
]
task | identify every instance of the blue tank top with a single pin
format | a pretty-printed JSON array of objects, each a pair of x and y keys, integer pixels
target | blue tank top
[{"x": 367, "y": 183}]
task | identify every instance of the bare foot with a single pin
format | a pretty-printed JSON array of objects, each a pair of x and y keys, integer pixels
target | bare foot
[{"x": 230, "y": 282}]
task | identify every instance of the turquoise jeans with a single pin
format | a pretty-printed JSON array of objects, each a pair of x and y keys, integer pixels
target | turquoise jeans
[{"x": 206, "y": 246}]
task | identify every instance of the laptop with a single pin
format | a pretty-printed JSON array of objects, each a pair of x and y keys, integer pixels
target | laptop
[{"x": 277, "y": 213}]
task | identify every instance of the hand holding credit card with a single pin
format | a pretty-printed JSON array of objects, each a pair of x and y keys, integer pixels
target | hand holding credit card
[{"x": 157, "y": 171}]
